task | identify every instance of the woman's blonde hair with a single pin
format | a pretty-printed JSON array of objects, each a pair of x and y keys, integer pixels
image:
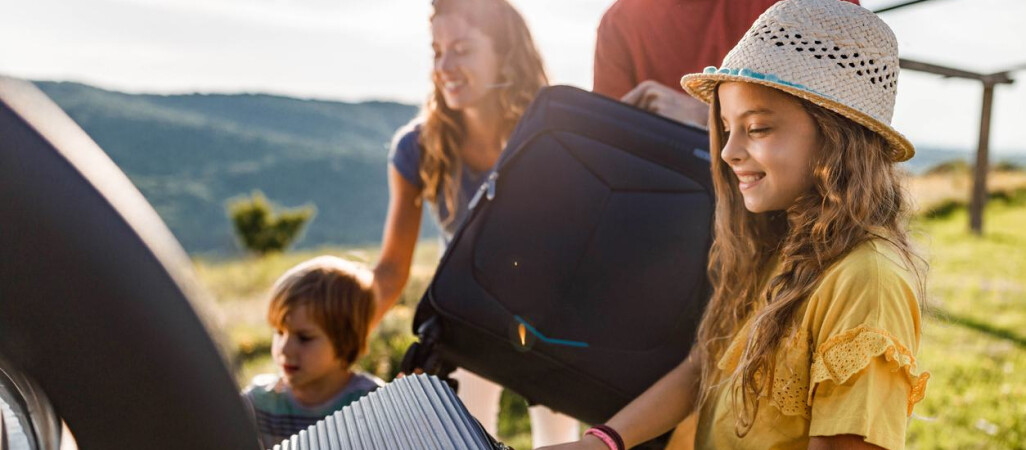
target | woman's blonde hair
[
  {"x": 522, "y": 75},
  {"x": 338, "y": 297},
  {"x": 857, "y": 195}
]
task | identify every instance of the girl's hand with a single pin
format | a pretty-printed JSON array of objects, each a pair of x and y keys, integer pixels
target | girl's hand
[
  {"x": 672, "y": 104},
  {"x": 588, "y": 442}
]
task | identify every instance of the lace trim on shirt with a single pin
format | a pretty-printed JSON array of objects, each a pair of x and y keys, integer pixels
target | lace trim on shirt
[
  {"x": 849, "y": 353},
  {"x": 841, "y": 357},
  {"x": 790, "y": 386}
]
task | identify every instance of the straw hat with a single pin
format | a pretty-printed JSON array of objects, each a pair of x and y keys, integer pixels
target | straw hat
[{"x": 832, "y": 53}]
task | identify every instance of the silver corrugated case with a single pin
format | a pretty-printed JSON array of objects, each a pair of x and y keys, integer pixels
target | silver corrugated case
[{"x": 413, "y": 412}]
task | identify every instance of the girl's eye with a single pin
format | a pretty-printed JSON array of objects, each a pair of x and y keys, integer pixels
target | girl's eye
[
  {"x": 758, "y": 131},
  {"x": 303, "y": 338}
]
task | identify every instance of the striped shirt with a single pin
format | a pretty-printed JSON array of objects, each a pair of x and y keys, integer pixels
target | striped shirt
[{"x": 278, "y": 415}]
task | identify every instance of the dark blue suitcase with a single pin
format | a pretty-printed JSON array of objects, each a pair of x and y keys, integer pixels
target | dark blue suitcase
[{"x": 579, "y": 277}]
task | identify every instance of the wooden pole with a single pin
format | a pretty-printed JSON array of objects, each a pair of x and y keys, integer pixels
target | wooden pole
[{"x": 979, "y": 197}]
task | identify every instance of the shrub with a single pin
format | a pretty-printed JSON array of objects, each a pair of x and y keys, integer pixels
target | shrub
[
  {"x": 262, "y": 230},
  {"x": 1007, "y": 166},
  {"x": 1009, "y": 196},
  {"x": 943, "y": 209},
  {"x": 956, "y": 166}
]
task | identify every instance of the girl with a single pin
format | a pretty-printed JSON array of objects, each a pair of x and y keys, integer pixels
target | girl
[
  {"x": 486, "y": 72},
  {"x": 810, "y": 337}
]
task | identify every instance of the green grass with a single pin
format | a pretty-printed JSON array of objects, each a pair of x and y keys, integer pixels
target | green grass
[
  {"x": 974, "y": 341},
  {"x": 976, "y": 397},
  {"x": 974, "y": 337}
]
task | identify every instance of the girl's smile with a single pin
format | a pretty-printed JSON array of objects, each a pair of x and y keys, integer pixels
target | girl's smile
[{"x": 746, "y": 180}]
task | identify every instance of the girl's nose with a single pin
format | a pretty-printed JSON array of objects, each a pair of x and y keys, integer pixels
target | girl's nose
[{"x": 733, "y": 151}]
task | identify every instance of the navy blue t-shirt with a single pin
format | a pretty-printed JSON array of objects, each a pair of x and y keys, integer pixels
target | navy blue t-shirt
[{"x": 405, "y": 157}]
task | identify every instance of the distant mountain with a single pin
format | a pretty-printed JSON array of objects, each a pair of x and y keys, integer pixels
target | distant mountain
[{"x": 190, "y": 154}]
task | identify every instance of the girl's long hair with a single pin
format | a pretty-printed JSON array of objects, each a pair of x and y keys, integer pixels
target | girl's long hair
[
  {"x": 522, "y": 75},
  {"x": 857, "y": 195}
]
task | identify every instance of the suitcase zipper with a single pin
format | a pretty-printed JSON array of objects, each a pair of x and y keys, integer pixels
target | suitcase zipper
[{"x": 487, "y": 190}]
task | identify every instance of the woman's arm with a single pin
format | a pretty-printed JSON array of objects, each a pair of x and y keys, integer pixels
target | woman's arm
[
  {"x": 660, "y": 408},
  {"x": 402, "y": 227}
]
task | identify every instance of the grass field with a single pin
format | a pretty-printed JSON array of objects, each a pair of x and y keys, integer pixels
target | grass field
[
  {"x": 974, "y": 343},
  {"x": 974, "y": 338}
]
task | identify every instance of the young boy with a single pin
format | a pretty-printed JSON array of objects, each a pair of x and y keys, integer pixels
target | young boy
[{"x": 321, "y": 312}]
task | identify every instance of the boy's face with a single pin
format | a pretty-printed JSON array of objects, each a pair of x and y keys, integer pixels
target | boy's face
[{"x": 303, "y": 351}]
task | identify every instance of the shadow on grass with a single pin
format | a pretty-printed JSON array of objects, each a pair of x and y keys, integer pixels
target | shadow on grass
[{"x": 981, "y": 327}]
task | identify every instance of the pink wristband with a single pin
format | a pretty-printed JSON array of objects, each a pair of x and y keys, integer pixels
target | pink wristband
[{"x": 603, "y": 437}]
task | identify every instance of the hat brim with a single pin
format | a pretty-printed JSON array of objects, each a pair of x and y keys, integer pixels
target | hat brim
[{"x": 703, "y": 87}]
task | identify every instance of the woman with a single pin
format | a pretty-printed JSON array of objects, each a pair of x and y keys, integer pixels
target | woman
[
  {"x": 486, "y": 72},
  {"x": 809, "y": 340}
]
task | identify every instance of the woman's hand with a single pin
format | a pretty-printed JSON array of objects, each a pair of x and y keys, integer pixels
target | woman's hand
[{"x": 670, "y": 103}]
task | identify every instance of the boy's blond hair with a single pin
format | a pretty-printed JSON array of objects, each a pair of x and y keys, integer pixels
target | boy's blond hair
[{"x": 339, "y": 298}]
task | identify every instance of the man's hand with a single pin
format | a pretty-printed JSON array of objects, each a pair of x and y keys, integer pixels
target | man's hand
[{"x": 669, "y": 103}]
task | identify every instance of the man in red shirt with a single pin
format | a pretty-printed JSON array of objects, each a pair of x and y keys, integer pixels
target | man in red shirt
[{"x": 644, "y": 47}]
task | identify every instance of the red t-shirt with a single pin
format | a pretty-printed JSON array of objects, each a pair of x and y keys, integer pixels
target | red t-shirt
[{"x": 663, "y": 40}]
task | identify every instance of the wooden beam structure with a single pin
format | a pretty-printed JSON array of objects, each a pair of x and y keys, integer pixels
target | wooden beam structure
[
  {"x": 978, "y": 198},
  {"x": 947, "y": 72},
  {"x": 899, "y": 5}
]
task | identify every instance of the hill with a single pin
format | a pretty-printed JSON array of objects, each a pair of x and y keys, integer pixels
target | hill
[{"x": 190, "y": 154}]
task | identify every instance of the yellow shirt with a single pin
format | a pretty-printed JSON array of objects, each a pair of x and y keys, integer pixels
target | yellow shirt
[{"x": 848, "y": 367}]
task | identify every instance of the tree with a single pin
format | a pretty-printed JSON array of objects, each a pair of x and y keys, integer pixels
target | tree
[{"x": 261, "y": 229}]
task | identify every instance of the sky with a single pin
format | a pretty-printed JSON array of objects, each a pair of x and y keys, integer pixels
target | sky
[{"x": 355, "y": 50}]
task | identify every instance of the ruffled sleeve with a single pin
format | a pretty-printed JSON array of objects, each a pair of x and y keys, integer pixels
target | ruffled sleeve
[
  {"x": 864, "y": 329},
  {"x": 846, "y": 355}
]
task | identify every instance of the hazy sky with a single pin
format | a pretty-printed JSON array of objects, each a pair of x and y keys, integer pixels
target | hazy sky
[{"x": 380, "y": 49}]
